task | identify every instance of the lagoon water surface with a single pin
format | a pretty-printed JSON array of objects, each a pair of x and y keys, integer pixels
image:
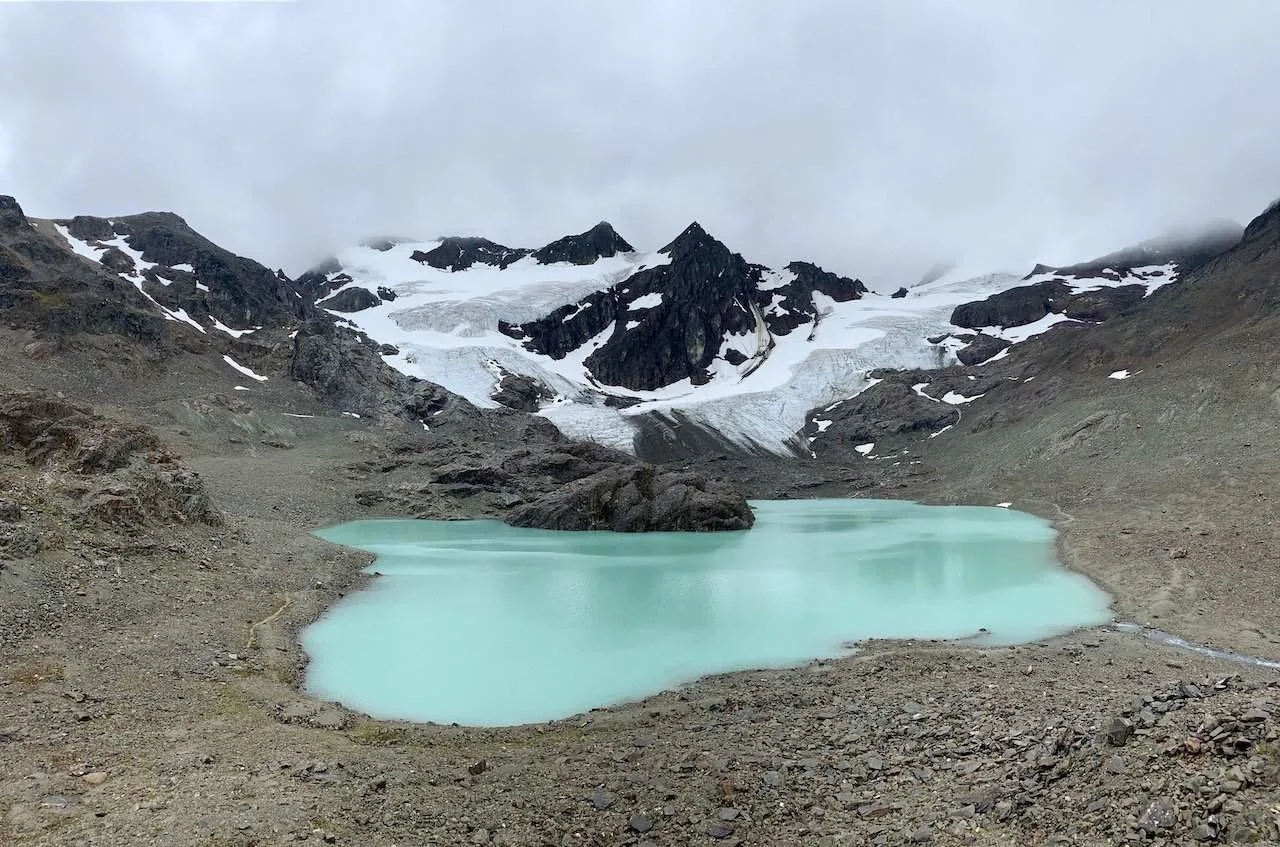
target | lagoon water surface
[{"x": 479, "y": 623}]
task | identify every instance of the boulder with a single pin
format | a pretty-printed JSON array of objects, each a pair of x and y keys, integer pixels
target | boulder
[{"x": 638, "y": 498}]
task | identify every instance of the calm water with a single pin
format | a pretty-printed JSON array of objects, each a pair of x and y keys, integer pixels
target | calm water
[{"x": 479, "y": 623}]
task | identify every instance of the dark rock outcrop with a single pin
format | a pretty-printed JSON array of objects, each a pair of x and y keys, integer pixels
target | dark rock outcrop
[
  {"x": 886, "y": 410},
  {"x": 1013, "y": 307},
  {"x": 638, "y": 498},
  {"x": 11, "y": 216},
  {"x": 796, "y": 306},
  {"x": 520, "y": 392},
  {"x": 601, "y": 241},
  {"x": 459, "y": 253},
  {"x": 346, "y": 371},
  {"x": 1103, "y": 304},
  {"x": 1029, "y": 303},
  {"x": 981, "y": 348},
  {"x": 89, "y": 228},
  {"x": 118, "y": 473},
  {"x": 349, "y": 300},
  {"x": 899, "y": 294}
]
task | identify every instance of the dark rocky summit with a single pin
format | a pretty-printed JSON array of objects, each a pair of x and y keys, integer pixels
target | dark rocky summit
[
  {"x": 706, "y": 292},
  {"x": 457, "y": 253},
  {"x": 601, "y": 241},
  {"x": 239, "y": 292},
  {"x": 638, "y": 498},
  {"x": 47, "y": 288},
  {"x": 670, "y": 321},
  {"x": 794, "y": 301}
]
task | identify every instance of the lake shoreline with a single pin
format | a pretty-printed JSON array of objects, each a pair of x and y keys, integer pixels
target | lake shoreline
[{"x": 900, "y": 740}]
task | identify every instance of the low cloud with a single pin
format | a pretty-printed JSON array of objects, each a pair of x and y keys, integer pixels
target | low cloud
[{"x": 874, "y": 137}]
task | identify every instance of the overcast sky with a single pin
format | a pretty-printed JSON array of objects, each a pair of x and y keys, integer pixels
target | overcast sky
[{"x": 873, "y": 137}]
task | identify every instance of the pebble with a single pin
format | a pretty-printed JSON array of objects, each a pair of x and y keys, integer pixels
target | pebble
[{"x": 1158, "y": 816}]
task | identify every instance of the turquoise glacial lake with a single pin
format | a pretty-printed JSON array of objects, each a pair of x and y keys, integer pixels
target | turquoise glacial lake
[{"x": 483, "y": 624}]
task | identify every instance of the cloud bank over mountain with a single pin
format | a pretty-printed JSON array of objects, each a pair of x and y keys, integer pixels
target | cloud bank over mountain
[{"x": 874, "y": 138}]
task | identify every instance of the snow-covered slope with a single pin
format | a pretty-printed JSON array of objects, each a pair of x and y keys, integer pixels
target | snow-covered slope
[
  {"x": 775, "y": 351},
  {"x": 445, "y": 326}
]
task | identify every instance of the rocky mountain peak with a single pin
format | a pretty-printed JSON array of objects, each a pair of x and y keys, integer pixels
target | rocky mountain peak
[
  {"x": 1268, "y": 219},
  {"x": 11, "y": 215},
  {"x": 457, "y": 253},
  {"x": 811, "y": 277},
  {"x": 601, "y": 241},
  {"x": 693, "y": 240}
]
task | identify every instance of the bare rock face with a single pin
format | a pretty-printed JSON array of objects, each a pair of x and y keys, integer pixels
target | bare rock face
[
  {"x": 116, "y": 473},
  {"x": 638, "y": 498},
  {"x": 980, "y": 349},
  {"x": 345, "y": 369},
  {"x": 352, "y": 300},
  {"x": 457, "y": 253},
  {"x": 520, "y": 392},
  {"x": 1014, "y": 307}
]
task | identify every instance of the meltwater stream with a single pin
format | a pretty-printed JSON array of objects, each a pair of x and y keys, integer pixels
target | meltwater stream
[{"x": 483, "y": 624}]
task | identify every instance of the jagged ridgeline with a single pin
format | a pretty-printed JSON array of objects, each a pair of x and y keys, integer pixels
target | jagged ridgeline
[{"x": 678, "y": 319}]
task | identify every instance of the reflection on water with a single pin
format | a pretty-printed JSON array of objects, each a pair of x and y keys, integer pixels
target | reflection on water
[{"x": 481, "y": 623}]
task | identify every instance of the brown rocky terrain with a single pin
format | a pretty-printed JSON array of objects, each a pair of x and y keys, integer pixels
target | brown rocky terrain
[{"x": 150, "y": 681}]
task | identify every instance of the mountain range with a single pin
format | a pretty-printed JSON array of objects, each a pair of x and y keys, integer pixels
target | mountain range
[{"x": 175, "y": 419}]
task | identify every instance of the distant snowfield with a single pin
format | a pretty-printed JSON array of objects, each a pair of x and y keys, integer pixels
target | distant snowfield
[{"x": 445, "y": 325}]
